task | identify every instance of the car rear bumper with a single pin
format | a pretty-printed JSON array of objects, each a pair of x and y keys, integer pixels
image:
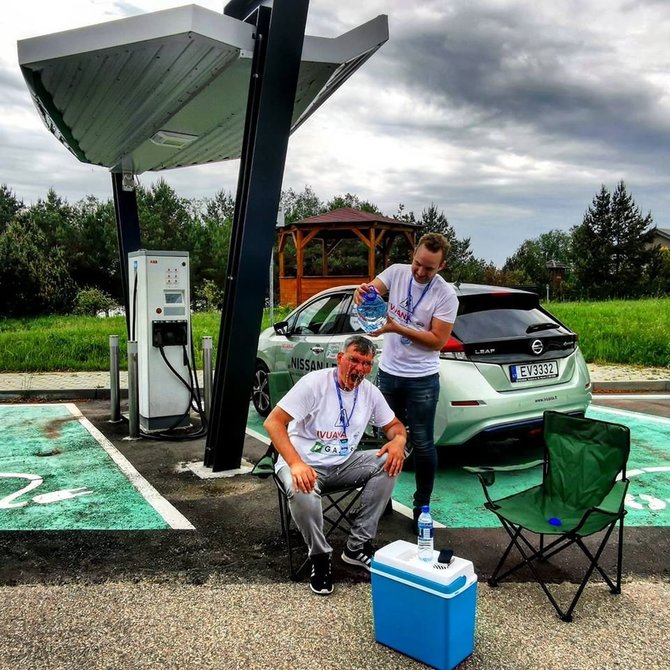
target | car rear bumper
[{"x": 492, "y": 413}]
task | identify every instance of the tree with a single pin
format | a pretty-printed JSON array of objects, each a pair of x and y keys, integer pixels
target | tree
[
  {"x": 349, "y": 200},
  {"x": 209, "y": 244},
  {"x": 610, "y": 248},
  {"x": 298, "y": 206},
  {"x": 10, "y": 206},
  {"x": 531, "y": 258},
  {"x": 34, "y": 278},
  {"x": 164, "y": 217},
  {"x": 460, "y": 256},
  {"x": 91, "y": 249},
  {"x": 55, "y": 218}
]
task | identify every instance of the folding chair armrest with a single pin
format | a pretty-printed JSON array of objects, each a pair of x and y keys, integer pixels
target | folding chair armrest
[
  {"x": 485, "y": 474},
  {"x": 613, "y": 501}
]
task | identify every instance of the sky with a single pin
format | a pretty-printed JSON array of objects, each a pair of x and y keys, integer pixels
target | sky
[{"x": 508, "y": 115}]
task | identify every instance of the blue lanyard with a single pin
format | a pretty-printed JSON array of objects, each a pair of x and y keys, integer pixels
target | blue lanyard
[
  {"x": 410, "y": 308},
  {"x": 346, "y": 420}
]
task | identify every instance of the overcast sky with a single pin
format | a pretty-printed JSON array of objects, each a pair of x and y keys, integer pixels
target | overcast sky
[{"x": 507, "y": 114}]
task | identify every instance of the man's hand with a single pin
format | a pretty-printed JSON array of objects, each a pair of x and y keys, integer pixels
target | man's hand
[
  {"x": 391, "y": 326},
  {"x": 395, "y": 449},
  {"x": 304, "y": 477},
  {"x": 360, "y": 292},
  {"x": 376, "y": 284}
]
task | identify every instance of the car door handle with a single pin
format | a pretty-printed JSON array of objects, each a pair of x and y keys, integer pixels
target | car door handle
[{"x": 317, "y": 350}]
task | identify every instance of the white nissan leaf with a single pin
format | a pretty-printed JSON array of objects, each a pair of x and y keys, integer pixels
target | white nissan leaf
[{"x": 507, "y": 361}]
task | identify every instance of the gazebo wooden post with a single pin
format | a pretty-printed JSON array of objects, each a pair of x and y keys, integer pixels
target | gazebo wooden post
[
  {"x": 280, "y": 250},
  {"x": 371, "y": 255},
  {"x": 299, "y": 269},
  {"x": 324, "y": 258}
]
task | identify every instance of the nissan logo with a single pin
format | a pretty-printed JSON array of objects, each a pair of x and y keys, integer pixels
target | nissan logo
[{"x": 537, "y": 347}]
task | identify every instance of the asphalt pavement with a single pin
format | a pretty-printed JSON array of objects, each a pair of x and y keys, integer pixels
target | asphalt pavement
[{"x": 219, "y": 596}]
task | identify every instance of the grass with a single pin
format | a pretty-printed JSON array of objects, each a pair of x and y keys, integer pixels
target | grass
[
  {"x": 78, "y": 343},
  {"x": 631, "y": 332}
]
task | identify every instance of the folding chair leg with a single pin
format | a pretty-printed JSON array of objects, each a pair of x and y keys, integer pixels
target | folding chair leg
[
  {"x": 494, "y": 579},
  {"x": 285, "y": 517},
  {"x": 619, "y": 562},
  {"x": 554, "y": 547}
]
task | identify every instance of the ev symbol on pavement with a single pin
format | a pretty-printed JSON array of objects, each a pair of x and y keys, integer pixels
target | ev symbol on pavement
[{"x": 8, "y": 502}]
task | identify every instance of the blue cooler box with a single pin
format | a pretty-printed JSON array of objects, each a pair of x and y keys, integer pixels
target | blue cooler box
[{"x": 425, "y": 610}]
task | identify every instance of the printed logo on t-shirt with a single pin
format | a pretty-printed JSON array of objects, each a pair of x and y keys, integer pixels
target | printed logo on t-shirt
[
  {"x": 400, "y": 311},
  {"x": 326, "y": 448}
]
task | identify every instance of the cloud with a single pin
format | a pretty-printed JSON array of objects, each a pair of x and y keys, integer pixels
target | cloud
[{"x": 507, "y": 114}]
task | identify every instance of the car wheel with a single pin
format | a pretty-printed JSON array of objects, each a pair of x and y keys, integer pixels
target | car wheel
[{"x": 260, "y": 392}]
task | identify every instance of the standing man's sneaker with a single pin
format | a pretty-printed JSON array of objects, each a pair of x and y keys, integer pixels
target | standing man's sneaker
[
  {"x": 361, "y": 556},
  {"x": 321, "y": 579}
]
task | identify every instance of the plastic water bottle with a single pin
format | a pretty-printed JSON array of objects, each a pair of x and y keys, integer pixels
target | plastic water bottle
[
  {"x": 372, "y": 311},
  {"x": 425, "y": 542}
]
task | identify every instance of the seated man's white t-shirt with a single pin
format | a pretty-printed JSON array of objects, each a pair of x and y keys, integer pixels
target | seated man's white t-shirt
[{"x": 317, "y": 427}]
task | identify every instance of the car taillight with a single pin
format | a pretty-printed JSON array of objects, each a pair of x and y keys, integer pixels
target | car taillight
[{"x": 453, "y": 349}]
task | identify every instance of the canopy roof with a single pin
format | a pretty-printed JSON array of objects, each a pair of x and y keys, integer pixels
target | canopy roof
[{"x": 169, "y": 89}]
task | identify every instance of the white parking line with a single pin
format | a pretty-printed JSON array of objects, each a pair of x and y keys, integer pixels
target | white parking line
[
  {"x": 637, "y": 415},
  {"x": 170, "y": 514}
]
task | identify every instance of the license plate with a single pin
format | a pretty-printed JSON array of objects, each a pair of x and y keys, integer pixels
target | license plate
[{"x": 529, "y": 372}]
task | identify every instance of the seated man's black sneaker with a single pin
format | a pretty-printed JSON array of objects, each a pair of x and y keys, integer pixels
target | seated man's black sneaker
[
  {"x": 361, "y": 556},
  {"x": 321, "y": 579}
]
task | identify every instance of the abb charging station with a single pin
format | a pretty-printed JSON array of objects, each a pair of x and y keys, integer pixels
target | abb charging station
[{"x": 160, "y": 322}]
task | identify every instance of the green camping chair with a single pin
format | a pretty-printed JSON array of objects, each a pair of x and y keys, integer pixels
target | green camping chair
[{"x": 582, "y": 492}]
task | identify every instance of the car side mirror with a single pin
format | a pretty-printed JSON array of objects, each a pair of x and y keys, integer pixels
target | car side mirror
[{"x": 281, "y": 327}]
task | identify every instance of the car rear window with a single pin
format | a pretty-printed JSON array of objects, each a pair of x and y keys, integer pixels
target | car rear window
[{"x": 501, "y": 316}]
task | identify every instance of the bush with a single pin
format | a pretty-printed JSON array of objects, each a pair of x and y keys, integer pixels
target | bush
[{"x": 90, "y": 301}]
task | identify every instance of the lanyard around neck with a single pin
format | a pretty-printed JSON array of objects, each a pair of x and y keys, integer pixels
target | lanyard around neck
[
  {"x": 346, "y": 420},
  {"x": 411, "y": 308}
]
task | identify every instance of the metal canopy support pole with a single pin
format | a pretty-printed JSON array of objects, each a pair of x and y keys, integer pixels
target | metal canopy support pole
[
  {"x": 127, "y": 232},
  {"x": 280, "y": 33}
]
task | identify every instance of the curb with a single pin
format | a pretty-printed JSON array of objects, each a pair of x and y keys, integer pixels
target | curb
[
  {"x": 650, "y": 385},
  {"x": 60, "y": 394},
  {"x": 636, "y": 386}
]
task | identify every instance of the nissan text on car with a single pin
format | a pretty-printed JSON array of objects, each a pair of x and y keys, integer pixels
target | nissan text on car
[{"x": 507, "y": 361}]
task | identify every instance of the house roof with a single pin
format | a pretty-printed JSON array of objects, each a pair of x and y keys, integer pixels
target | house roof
[{"x": 169, "y": 88}]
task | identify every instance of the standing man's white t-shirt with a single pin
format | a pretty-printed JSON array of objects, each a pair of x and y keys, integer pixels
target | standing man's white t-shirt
[{"x": 434, "y": 300}]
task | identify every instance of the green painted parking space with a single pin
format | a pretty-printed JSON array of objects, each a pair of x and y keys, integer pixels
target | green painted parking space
[
  {"x": 458, "y": 498},
  {"x": 57, "y": 472}
]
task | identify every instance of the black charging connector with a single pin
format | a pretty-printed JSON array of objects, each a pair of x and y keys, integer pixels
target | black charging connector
[{"x": 169, "y": 333}]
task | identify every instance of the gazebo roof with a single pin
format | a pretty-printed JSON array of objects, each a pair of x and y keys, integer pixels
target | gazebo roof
[{"x": 349, "y": 215}]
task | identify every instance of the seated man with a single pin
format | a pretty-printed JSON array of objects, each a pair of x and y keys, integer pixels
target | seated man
[{"x": 316, "y": 428}]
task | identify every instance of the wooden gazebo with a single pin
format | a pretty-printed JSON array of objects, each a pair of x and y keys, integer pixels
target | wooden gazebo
[{"x": 376, "y": 232}]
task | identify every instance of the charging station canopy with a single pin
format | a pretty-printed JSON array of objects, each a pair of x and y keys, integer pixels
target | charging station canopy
[{"x": 169, "y": 89}]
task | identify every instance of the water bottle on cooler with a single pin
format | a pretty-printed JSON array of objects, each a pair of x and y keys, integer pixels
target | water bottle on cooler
[
  {"x": 425, "y": 541},
  {"x": 372, "y": 311}
]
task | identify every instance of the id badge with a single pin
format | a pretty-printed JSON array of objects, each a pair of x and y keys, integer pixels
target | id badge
[{"x": 344, "y": 447}]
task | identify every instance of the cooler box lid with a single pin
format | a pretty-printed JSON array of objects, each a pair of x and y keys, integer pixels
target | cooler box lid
[{"x": 400, "y": 561}]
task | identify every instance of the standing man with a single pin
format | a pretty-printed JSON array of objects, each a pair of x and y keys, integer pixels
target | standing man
[
  {"x": 316, "y": 428},
  {"x": 422, "y": 308}
]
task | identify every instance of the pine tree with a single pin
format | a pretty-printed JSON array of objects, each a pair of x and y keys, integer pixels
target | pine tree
[
  {"x": 610, "y": 250},
  {"x": 460, "y": 255}
]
